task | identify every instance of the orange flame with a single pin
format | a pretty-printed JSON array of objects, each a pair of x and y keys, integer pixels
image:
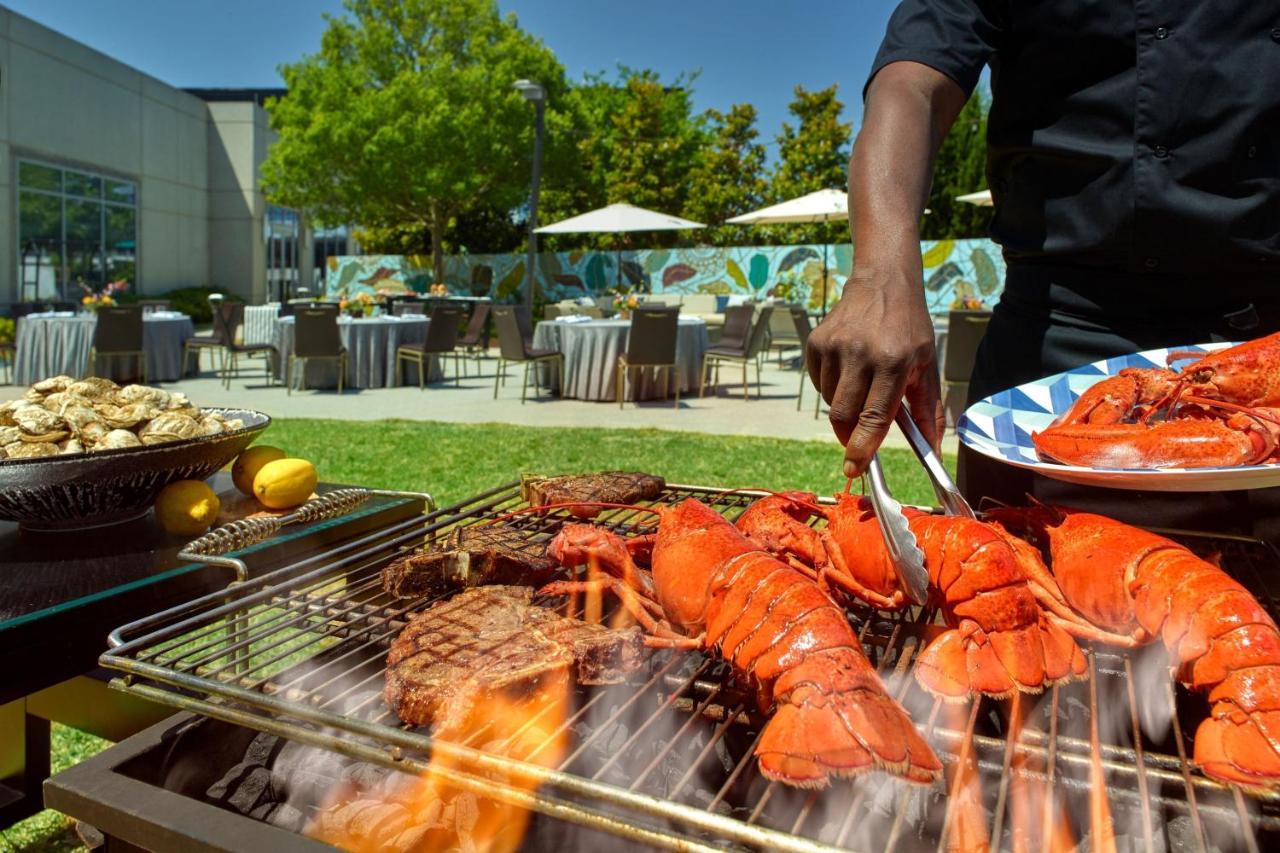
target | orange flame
[
  {"x": 967, "y": 818},
  {"x": 1036, "y": 823}
]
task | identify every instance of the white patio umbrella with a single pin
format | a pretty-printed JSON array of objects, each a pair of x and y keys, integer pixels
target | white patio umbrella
[
  {"x": 820, "y": 206},
  {"x": 616, "y": 219},
  {"x": 982, "y": 198}
]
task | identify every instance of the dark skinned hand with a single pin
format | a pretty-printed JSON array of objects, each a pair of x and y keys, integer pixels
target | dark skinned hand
[{"x": 875, "y": 348}]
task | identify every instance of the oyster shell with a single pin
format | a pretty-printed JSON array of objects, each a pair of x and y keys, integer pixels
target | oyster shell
[
  {"x": 30, "y": 450},
  {"x": 157, "y": 398},
  {"x": 36, "y": 421},
  {"x": 123, "y": 417},
  {"x": 10, "y": 434},
  {"x": 93, "y": 432},
  {"x": 71, "y": 445},
  {"x": 212, "y": 425},
  {"x": 53, "y": 384},
  {"x": 169, "y": 426},
  {"x": 117, "y": 438},
  {"x": 95, "y": 388}
]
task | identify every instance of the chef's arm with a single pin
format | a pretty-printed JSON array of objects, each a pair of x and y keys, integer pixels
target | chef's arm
[{"x": 876, "y": 346}]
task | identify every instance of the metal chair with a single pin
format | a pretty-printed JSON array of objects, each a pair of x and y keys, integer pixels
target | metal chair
[
  {"x": 782, "y": 330},
  {"x": 475, "y": 339},
  {"x": 965, "y": 330},
  {"x": 228, "y": 320},
  {"x": 118, "y": 334},
  {"x": 650, "y": 343},
  {"x": 442, "y": 339},
  {"x": 513, "y": 346},
  {"x": 737, "y": 326},
  {"x": 751, "y": 350},
  {"x": 800, "y": 318},
  {"x": 315, "y": 337}
]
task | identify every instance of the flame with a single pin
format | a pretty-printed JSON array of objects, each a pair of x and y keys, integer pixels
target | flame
[
  {"x": 432, "y": 812},
  {"x": 967, "y": 819},
  {"x": 1037, "y": 822}
]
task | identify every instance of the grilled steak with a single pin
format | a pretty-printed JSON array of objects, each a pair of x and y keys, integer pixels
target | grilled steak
[
  {"x": 622, "y": 487},
  {"x": 490, "y": 639},
  {"x": 469, "y": 556}
]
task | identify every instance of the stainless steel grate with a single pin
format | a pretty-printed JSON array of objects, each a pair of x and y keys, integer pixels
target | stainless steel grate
[{"x": 665, "y": 759}]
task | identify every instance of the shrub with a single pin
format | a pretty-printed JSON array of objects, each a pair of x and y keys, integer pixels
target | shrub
[
  {"x": 7, "y": 330},
  {"x": 192, "y": 301}
]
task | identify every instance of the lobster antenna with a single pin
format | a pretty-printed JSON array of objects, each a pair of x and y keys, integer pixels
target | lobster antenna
[
  {"x": 567, "y": 504},
  {"x": 771, "y": 493}
]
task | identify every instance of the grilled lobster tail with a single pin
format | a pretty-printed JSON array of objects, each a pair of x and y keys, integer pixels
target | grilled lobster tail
[{"x": 1220, "y": 640}]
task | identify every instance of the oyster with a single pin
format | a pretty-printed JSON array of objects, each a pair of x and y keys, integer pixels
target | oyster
[
  {"x": 116, "y": 439},
  {"x": 71, "y": 445},
  {"x": 78, "y": 416},
  {"x": 169, "y": 426},
  {"x": 53, "y": 384},
  {"x": 95, "y": 388},
  {"x": 9, "y": 434},
  {"x": 36, "y": 421},
  {"x": 94, "y": 432},
  {"x": 157, "y": 398},
  {"x": 212, "y": 425},
  {"x": 30, "y": 450},
  {"x": 123, "y": 417}
]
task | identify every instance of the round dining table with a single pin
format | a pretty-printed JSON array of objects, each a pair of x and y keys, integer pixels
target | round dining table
[
  {"x": 591, "y": 351},
  {"x": 371, "y": 344},
  {"x": 57, "y": 343}
]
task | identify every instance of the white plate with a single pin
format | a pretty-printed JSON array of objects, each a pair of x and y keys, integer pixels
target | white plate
[{"x": 1001, "y": 425}]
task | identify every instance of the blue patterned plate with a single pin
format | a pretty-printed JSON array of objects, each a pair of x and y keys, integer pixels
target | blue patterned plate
[{"x": 1001, "y": 425}]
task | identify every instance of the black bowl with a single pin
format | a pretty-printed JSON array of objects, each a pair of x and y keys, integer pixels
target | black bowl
[{"x": 110, "y": 486}]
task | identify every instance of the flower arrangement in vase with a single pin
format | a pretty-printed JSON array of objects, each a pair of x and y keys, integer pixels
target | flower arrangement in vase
[
  {"x": 438, "y": 289},
  {"x": 624, "y": 303},
  {"x": 360, "y": 305},
  {"x": 95, "y": 299}
]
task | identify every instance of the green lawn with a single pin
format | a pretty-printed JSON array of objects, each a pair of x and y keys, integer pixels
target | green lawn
[{"x": 453, "y": 461}]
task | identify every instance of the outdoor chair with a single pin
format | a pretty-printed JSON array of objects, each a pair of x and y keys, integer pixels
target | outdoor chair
[
  {"x": 398, "y": 306},
  {"x": 782, "y": 330},
  {"x": 737, "y": 326},
  {"x": 965, "y": 330},
  {"x": 745, "y": 353},
  {"x": 650, "y": 343},
  {"x": 475, "y": 340},
  {"x": 228, "y": 319},
  {"x": 315, "y": 338},
  {"x": 118, "y": 335},
  {"x": 150, "y": 306},
  {"x": 800, "y": 319},
  {"x": 513, "y": 346},
  {"x": 442, "y": 339}
]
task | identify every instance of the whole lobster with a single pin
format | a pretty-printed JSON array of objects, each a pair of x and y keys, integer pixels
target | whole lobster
[
  {"x": 1218, "y": 411},
  {"x": 1125, "y": 586},
  {"x": 999, "y": 641},
  {"x": 715, "y": 589}
]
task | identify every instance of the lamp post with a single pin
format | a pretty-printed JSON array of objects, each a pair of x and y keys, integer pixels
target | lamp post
[{"x": 534, "y": 93}]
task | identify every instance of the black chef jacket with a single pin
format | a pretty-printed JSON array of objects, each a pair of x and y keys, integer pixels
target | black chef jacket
[{"x": 1139, "y": 136}]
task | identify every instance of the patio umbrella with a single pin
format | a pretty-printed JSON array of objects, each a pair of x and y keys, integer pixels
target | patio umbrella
[
  {"x": 617, "y": 219},
  {"x": 982, "y": 198},
  {"x": 820, "y": 206}
]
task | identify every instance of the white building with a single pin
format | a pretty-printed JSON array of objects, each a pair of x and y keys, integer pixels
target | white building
[{"x": 106, "y": 172}]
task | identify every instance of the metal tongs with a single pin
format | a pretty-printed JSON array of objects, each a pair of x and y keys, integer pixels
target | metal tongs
[{"x": 903, "y": 548}]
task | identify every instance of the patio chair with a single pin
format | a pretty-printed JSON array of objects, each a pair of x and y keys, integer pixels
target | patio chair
[
  {"x": 118, "y": 335},
  {"x": 315, "y": 338},
  {"x": 965, "y": 330},
  {"x": 800, "y": 319},
  {"x": 737, "y": 326},
  {"x": 782, "y": 330},
  {"x": 228, "y": 320},
  {"x": 650, "y": 343},
  {"x": 442, "y": 339},
  {"x": 475, "y": 340},
  {"x": 150, "y": 306},
  {"x": 513, "y": 346},
  {"x": 745, "y": 353}
]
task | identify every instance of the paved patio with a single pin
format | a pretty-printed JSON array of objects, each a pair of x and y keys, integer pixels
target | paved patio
[{"x": 772, "y": 415}]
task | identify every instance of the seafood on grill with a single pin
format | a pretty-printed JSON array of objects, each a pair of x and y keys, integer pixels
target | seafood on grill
[
  {"x": 1222, "y": 410},
  {"x": 581, "y": 494},
  {"x": 1125, "y": 586},
  {"x": 62, "y": 416},
  {"x": 713, "y": 588},
  {"x": 998, "y": 640}
]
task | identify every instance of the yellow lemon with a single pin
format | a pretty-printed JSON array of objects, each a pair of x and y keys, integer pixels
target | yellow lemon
[
  {"x": 187, "y": 507},
  {"x": 250, "y": 462},
  {"x": 284, "y": 483}
]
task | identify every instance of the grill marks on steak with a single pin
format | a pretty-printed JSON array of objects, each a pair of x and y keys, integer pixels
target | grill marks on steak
[
  {"x": 490, "y": 639},
  {"x": 469, "y": 556},
  {"x": 622, "y": 487}
]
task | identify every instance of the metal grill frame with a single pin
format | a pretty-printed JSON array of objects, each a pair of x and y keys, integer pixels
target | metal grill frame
[{"x": 307, "y": 594}]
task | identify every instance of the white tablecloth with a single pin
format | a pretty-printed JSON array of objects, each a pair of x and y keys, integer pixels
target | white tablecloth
[
  {"x": 259, "y": 323},
  {"x": 56, "y": 344},
  {"x": 371, "y": 344},
  {"x": 591, "y": 357}
]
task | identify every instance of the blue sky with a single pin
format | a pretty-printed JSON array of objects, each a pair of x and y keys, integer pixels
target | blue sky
[{"x": 747, "y": 50}]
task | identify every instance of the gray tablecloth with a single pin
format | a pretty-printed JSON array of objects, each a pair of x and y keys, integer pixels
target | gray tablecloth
[
  {"x": 371, "y": 344},
  {"x": 591, "y": 353},
  {"x": 55, "y": 345}
]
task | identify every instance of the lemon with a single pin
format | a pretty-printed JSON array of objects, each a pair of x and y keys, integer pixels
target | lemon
[
  {"x": 284, "y": 483},
  {"x": 187, "y": 507},
  {"x": 250, "y": 462}
]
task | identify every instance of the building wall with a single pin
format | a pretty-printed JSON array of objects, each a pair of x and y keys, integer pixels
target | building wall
[
  {"x": 237, "y": 134},
  {"x": 68, "y": 104}
]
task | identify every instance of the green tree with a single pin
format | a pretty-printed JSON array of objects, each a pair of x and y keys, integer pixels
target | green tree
[
  {"x": 406, "y": 117},
  {"x": 728, "y": 178},
  {"x": 812, "y": 155},
  {"x": 961, "y": 167}
]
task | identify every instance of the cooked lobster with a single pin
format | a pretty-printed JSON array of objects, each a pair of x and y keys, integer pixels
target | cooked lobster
[
  {"x": 715, "y": 589},
  {"x": 999, "y": 639},
  {"x": 1218, "y": 411},
  {"x": 1124, "y": 586}
]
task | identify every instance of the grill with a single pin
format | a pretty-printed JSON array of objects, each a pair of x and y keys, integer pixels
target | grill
[{"x": 664, "y": 759}]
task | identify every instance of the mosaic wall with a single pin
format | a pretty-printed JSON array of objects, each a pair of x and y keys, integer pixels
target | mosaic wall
[{"x": 954, "y": 270}]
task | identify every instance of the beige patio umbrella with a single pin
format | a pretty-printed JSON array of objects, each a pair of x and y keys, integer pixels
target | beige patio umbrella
[
  {"x": 982, "y": 198},
  {"x": 820, "y": 206},
  {"x": 617, "y": 219}
]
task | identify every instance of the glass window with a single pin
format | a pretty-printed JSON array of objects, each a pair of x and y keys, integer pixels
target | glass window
[
  {"x": 39, "y": 177},
  {"x": 68, "y": 235},
  {"x": 89, "y": 186}
]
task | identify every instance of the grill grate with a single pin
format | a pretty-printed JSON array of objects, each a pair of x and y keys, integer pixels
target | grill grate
[{"x": 665, "y": 758}]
